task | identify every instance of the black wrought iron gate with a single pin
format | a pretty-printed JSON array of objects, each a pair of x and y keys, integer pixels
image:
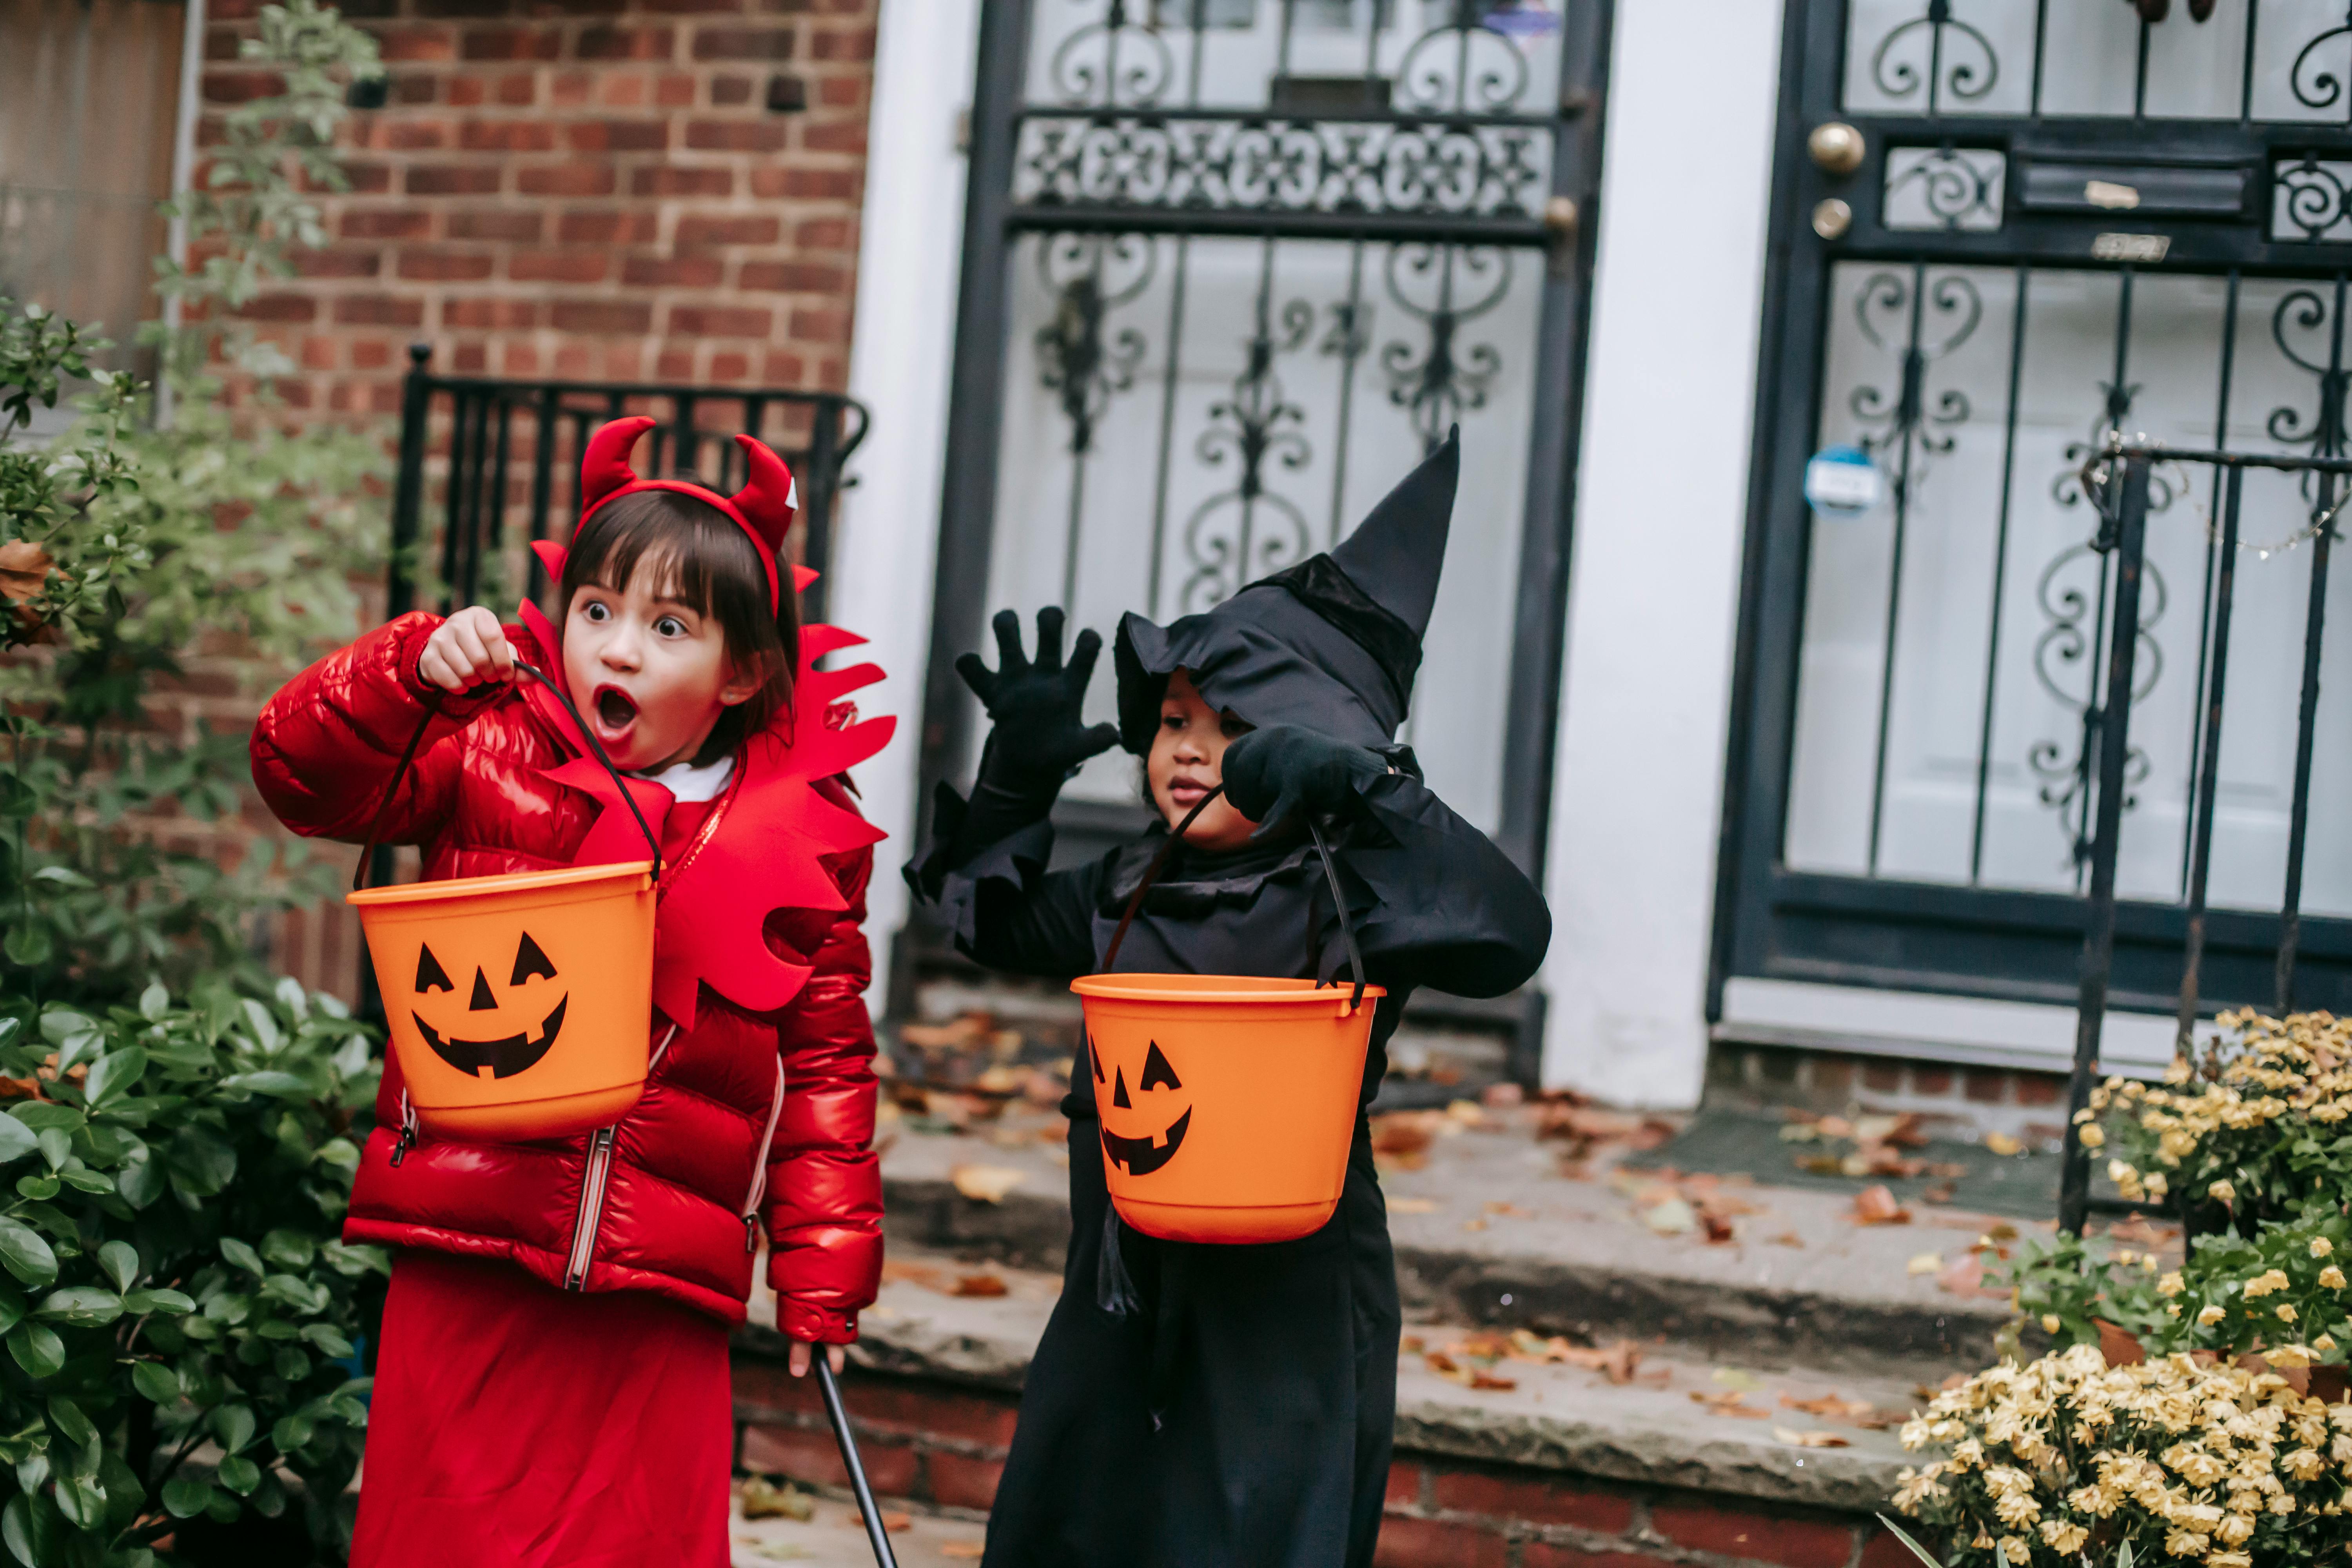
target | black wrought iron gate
[
  {"x": 2006, "y": 231},
  {"x": 1229, "y": 267}
]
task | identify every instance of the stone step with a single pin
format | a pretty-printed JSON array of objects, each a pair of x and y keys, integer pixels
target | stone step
[
  {"x": 1563, "y": 1461},
  {"x": 1489, "y": 1232}
]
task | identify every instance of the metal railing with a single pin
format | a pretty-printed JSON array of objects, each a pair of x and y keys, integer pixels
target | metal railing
[
  {"x": 2120, "y": 477},
  {"x": 496, "y": 463}
]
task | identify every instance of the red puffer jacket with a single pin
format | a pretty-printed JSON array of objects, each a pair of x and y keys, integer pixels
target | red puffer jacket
[{"x": 685, "y": 1175}]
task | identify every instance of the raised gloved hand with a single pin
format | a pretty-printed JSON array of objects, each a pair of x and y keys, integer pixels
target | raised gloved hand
[
  {"x": 1036, "y": 705},
  {"x": 1275, "y": 773}
]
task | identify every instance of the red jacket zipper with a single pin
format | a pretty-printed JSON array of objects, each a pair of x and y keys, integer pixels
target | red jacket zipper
[{"x": 593, "y": 1180}]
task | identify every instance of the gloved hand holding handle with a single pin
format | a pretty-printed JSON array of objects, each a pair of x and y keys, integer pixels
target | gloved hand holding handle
[
  {"x": 1274, "y": 775},
  {"x": 1036, "y": 706}
]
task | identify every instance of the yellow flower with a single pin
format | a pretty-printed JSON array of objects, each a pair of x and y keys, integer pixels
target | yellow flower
[
  {"x": 2210, "y": 1316},
  {"x": 2050, "y": 1322},
  {"x": 2170, "y": 1284},
  {"x": 2268, "y": 1280},
  {"x": 2332, "y": 1277},
  {"x": 2286, "y": 1312},
  {"x": 2320, "y": 1247},
  {"x": 2092, "y": 1135},
  {"x": 2323, "y": 1342},
  {"x": 2063, "y": 1538},
  {"x": 2221, "y": 1191},
  {"x": 2158, "y": 1184}
]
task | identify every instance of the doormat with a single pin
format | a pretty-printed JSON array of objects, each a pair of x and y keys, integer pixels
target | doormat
[{"x": 1953, "y": 1174}]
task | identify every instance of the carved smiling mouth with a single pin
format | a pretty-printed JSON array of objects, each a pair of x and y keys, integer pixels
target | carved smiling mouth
[
  {"x": 1141, "y": 1156},
  {"x": 495, "y": 1058}
]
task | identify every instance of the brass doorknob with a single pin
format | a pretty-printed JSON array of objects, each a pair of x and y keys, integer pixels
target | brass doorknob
[
  {"x": 1836, "y": 147},
  {"x": 1831, "y": 218}
]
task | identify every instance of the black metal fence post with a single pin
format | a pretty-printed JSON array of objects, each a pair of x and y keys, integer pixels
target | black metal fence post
[
  {"x": 408, "y": 487},
  {"x": 2112, "y": 730},
  {"x": 2200, "y": 862}
]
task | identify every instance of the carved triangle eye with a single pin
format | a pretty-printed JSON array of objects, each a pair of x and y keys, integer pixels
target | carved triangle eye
[
  {"x": 530, "y": 964},
  {"x": 1157, "y": 1073},
  {"x": 430, "y": 975},
  {"x": 1119, "y": 1094},
  {"x": 1095, "y": 1056}
]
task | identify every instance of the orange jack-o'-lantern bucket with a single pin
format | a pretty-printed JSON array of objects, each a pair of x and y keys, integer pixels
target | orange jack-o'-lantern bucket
[
  {"x": 1227, "y": 1102},
  {"x": 521, "y": 1006}
]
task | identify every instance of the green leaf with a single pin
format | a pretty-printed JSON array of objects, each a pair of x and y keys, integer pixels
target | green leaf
[
  {"x": 330, "y": 1341},
  {"x": 23, "y": 1254},
  {"x": 57, "y": 1148},
  {"x": 81, "y": 1307},
  {"x": 38, "y": 1114},
  {"x": 234, "y": 1425},
  {"x": 92, "y": 1181},
  {"x": 17, "y": 1140},
  {"x": 1920, "y": 1552},
  {"x": 184, "y": 1497},
  {"x": 142, "y": 1181},
  {"x": 292, "y": 1431},
  {"x": 241, "y": 1253},
  {"x": 118, "y": 1261},
  {"x": 30, "y": 1527},
  {"x": 265, "y": 1028},
  {"x": 155, "y": 1382},
  {"x": 239, "y": 1474},
  {"x": 153, "y": 1001},
  {"x": 142, "y": 1302},
  {"x": 12, "y": 1309},
  {"x": 28, "y": 946},
  {"x": 36, "y": 1349},
  {"x": 40, "y": 1189},
  {"x": 82, "y": 1501},
  {"x": 289, "y": 1248},
  {"x": 70, "y": 1420},
  {"x": 113, "y": 1074},
  {"x": 271, "y": 1081}
]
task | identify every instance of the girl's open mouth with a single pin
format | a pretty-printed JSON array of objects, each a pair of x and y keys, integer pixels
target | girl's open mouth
[{"x": 613, "y": 707}]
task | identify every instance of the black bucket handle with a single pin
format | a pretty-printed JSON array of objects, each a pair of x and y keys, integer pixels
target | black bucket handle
[
  {"x": 433, "y": 711},
  {"x": 1159, "y": 864}
]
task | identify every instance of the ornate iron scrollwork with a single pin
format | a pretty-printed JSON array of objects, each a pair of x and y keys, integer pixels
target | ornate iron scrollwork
[
  {"x": 1227, "y": 537},
  {"x": 1960, "y": 59},
  {"x": 2318, "y": 89},
  {"x": 1443, "y": 380},
  {"x": 2318, "y": 198},
  {"x": 2303, "y": 313},
  {"x": 1089, "y": 275},
  {"x": 1957, "y": 191},
  {"x": 1134, "y": 68},
  {"x": 1954, "y": 308},
  {"x": 1463, "y": 66}
]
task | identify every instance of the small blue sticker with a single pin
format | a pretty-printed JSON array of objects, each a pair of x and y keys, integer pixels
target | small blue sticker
[
  {"x": 1842, "y": 482},
  {"x": 1522, "y": 18}
]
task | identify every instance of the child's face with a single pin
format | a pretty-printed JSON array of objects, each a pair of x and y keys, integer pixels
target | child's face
[
  {"x": 1187, "y": 761},
  {"x": 649, "y": 671}
]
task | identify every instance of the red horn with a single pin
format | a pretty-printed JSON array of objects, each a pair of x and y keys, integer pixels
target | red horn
[
  {"x": 766, "y": 497},
  {"x": 604, "y": 466}
]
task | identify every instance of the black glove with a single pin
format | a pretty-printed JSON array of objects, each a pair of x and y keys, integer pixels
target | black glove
[
  {"x": 1273, "y": 774},
  {"x": 1037, "y": 707}
]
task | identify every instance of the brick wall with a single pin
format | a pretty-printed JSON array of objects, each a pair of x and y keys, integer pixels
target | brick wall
[
  {"x": 589, "y": 189},
  {"x": 944, "y": 1446},
  {"x": 1955, "y": 1101}
]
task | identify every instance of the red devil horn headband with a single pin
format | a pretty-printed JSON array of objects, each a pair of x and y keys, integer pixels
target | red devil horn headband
[{"x": 763, "y": 507}]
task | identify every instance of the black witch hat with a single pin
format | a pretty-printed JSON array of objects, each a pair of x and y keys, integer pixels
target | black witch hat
[{"x": 1332, "y": 643}]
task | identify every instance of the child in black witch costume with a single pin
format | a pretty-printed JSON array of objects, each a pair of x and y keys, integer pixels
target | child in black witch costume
[{"x": 1197, "y": 1405}]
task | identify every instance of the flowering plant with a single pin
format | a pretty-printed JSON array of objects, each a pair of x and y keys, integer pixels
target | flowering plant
[
  {"x": 2177, "y": 1460},
  {"x": 2251, "y": 1122},
  {"x": 2283, "y": 1293}
]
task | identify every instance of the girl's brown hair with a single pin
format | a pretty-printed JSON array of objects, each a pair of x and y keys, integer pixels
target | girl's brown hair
[{"x": 705, "y": 560}]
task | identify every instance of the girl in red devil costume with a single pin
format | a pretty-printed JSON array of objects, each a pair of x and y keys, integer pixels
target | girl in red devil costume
[{"x": 551, "y": 1383}]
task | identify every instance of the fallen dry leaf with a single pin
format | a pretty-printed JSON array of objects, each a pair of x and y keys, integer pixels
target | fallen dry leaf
[
  {"x": 980, "y": 1285},
  {"x": 1617, "y": 1363},
  {"x": 1786, "y": 1238},
  {"x": 1830, "y": 1408},
  {"x": 963, "y": 1550},
  {"x": 893, "y": 1523},
  {"x": 1731, "y": 1402},
  {"x": 23, "y": 568},
  {"x": 1411, "y": 1345},
  {"x": 1413, "y": 1205},
  {"x": 1797, "y": 1439},
  {"x": 1473, "y": 1225},
  {"x": 763, "y": 1498},
  {"x": 1737, "y": 1377},
  {"x": 1509, "y": 1211},
  {"x": 1670, "y": 1215},
  {"x": 1876, "y": 1205},
  {"x": 986, "y": 1184},
  {"x": 1925, "y": 1263},
  {"x": 1719, "y": 1229},
  {"x": 2002, "y": 1144}
]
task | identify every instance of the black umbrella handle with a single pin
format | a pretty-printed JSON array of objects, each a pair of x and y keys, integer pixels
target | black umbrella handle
[{"x": 880, "y": 1538}]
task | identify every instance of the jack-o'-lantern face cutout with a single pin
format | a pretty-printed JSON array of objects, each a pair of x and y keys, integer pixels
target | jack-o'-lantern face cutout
[
  {"x": 490, "y": 1036},
  {"x": 1162, "y": 1129}
]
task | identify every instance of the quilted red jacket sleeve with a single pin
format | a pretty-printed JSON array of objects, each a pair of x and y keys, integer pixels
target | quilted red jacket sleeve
[
  {"x": 823, "y": 1204},
  {"x": 326, "y": 745}
]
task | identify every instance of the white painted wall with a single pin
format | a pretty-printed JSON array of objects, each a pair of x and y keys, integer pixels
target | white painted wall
[
  {"x": 1661, "y": 513},
  {"x": 909, "y": 259}
]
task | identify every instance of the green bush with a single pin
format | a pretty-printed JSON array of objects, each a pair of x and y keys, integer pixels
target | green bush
[{"x": 172, "y": 1303}]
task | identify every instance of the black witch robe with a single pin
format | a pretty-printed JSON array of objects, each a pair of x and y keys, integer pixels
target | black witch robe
[{"x": 1193, "y": 1405}]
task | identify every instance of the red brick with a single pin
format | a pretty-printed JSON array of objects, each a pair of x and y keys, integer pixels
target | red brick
[
  {"x": 736, "y": 135},
  {"x": 409, "y": 136},
  {"x": 559, "y": 266},
  {"x": 590, "y": 227},
  {"x": 338, "y": 263},
  {"x": 1736, "y": 1533},
  {"x": 625, "y": 43},
  {"x": 806, "y": 184},
  {"x": 674, "y": 89},
  {"x": 894, "y": 1406},
  {"x": 490, "y": 315},
  {"x": 280, "y": 307},
  {"x": 820, "y": 326},
  {"x": 507, "y": 136},
  {"x": 511, "y": 44},
  {"x": 396, "y": 45},
  {"x": 515, "y": 227},
  {"x": 616, "y": 135},
  {"x": 1434, "y": 1543},
  {"x": 470, "y": 359},
  {"x": 1404, "y": 1486},
  {"x": 1987, "y": 1086},
  {"x": 842, "y": 44},
  {"x": 730, "y": 90},
  {"x": 807, "y": 1454},
  {"x": 1544, "y": 1554},
  {"x": 729, "y": 228},
  {"x": 1883, "y": 1551},
  {"x": 364, "y": 179},
  {"x": 825, "y": 234},
  {"x": 574, "y": 179},
  {"x": 2039, "y": 1089},
  {"x": 443, "y": 266},
  {"x": 958, "y": 1480},
  {"x": 603, "y": 316},
  {"x": 729, "y": 367},
  {"x": 1931, "y": 1081},
  {"x": 675, "y": 364},
  {"x": 1882, "y": 1078},
  {"x": 379, "y": 310},
  {"x": 412, "y": 88},
  {"x": 742, "y": 43},
  {"x": 239, "y": 87},
  {"x": 1537, "y": 1500},
  {"x": 720, "y": 321},
  {"x": 793, "y": 277},
  {"x": 452, "y": 179},
  {"x": 669, "y": 180},
  {"x": 673, "y": 271}
]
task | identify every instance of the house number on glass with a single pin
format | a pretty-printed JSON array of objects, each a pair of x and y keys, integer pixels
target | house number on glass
[{"x": 1842, "y": 482}]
